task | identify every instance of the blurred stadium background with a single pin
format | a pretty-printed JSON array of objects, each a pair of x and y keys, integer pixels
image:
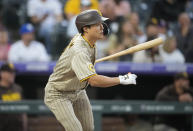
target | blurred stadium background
[{"x": 120, "y": 108}]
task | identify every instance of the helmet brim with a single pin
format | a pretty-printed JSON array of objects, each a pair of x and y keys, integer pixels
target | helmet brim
[{"x": 104, "y": 18}]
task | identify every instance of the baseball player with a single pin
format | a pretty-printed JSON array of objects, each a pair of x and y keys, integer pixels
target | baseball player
[{"x": 65, "y": 93}]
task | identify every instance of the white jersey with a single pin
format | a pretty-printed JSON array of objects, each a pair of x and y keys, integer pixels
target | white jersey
[
  {"x": 39, "y": 8},
  {"x": 35, "y": 51}
]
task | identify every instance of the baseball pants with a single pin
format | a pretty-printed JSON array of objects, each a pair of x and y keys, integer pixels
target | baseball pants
[{"x": 72, "y": 109}]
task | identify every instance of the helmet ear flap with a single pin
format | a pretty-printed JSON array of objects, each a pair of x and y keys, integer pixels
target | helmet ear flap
[{"x": 106, "y": 30}]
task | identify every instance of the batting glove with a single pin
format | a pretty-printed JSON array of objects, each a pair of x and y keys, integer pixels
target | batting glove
[{"x": 128, "y": 79}]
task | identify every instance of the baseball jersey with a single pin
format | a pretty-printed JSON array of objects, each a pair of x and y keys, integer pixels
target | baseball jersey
[
  {"x": 75, "y": 66},
  {"x": 40, "y": 8}
]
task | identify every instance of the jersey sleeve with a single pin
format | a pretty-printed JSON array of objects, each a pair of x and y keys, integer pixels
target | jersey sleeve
[{"x": 82, "y": 66}]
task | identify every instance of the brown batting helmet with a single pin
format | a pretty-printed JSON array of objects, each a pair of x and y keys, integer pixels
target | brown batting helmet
[{"x": 90, "y": 17}]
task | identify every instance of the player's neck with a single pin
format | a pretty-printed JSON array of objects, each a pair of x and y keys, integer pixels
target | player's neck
[{"x": 90, "y": 40}]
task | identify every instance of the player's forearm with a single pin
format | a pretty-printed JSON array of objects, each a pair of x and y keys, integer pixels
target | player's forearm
[{"x": 103, "y": 81}]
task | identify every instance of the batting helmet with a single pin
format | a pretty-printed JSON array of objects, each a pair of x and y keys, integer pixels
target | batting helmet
[{"x": 90, "y": 17}]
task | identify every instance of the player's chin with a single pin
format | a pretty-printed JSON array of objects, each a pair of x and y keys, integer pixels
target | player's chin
[{"x": 101, "y": 36}]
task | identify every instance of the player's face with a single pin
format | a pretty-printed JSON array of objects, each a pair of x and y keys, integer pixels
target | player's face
[{"x": 96, "y": 31}]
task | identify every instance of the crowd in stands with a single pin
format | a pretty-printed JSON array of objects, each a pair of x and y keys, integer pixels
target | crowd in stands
[{"x": 53, "y": 23}]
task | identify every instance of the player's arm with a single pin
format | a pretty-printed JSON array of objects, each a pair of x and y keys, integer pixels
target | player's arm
[
  {"x": 84, "y": 70},
  {"x": 104, "y": 81}
]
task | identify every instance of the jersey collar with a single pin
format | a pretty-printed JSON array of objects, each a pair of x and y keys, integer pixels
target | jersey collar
[{"x": 92, "y": 46}]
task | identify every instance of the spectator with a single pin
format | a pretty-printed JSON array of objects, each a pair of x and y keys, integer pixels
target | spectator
[
  {"x": 4, "y": 45},
  {"x": 152, "y": 27},
  {"x": 184, "y": 34},
  {"x": 156, "y": 27},
  {"x": 106, "y": 7},
  {"x": 27, "y": 49},
  {"x": 71, "y": 29},
  {"x": 124, "y": 39},
  {"x": 151, "y": 30},
  {"x": 122, "y": 8},
  {"x": 134, "y": 20},
  {"x": 9, "y": 91},
  {"x": 111, "y": 9},
  {"x": 46, "y": 14},
  {"x": 169, "y": 52},
  {"x": 179, "y": 91},
  {"x": 73, "y": 7}
]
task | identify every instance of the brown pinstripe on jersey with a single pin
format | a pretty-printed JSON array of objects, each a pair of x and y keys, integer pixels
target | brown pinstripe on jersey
[{"x": 75, "y": 65}]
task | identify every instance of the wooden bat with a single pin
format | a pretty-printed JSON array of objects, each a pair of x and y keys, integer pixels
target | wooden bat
[{"x": 139, "y": 47}]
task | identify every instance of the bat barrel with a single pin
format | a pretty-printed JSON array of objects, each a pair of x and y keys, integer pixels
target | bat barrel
[{"x": 139, "y": 47}]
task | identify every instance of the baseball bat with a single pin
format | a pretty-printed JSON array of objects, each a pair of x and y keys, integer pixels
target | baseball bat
[{"x": 139, "y": 47}]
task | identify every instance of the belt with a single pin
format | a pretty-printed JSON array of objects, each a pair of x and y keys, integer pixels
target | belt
[{"x": 76, "y": 91}]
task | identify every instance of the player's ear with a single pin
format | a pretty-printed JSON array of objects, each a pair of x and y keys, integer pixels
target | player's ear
[{"x": 85, "y": 29}]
